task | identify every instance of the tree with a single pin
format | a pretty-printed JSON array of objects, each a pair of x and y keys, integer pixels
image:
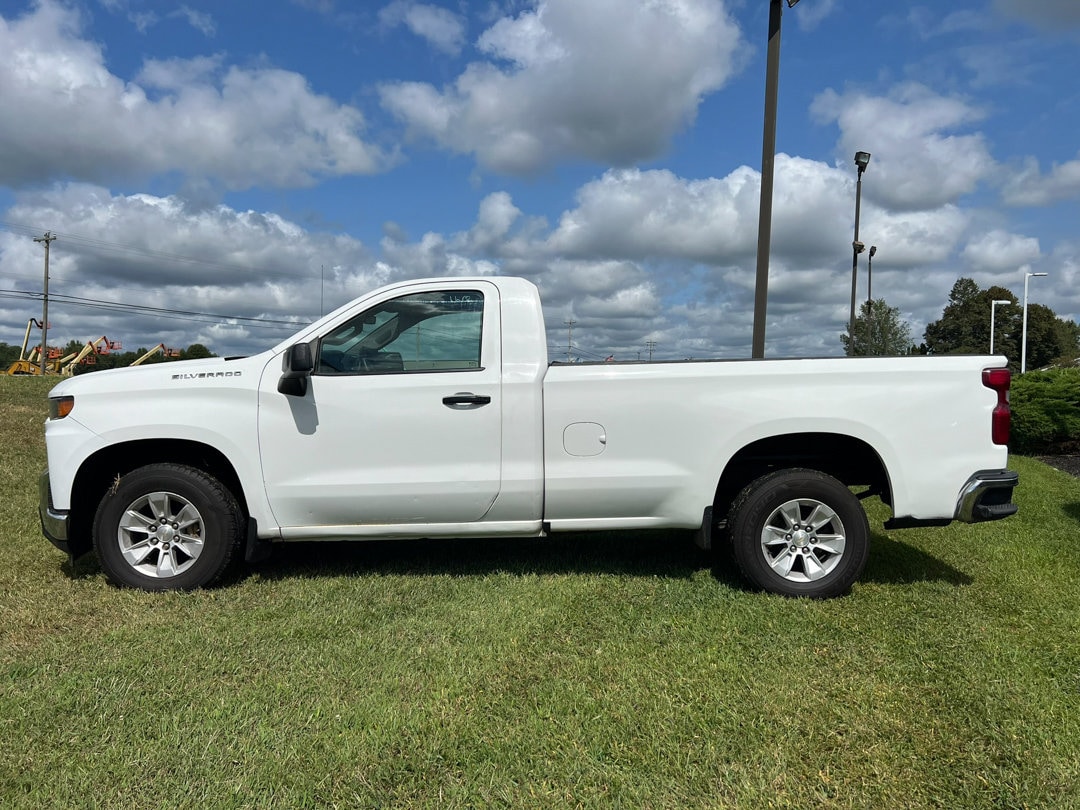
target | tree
[
  {"x": 879, "y": 330},
  {"x": 1051, "y": 340},
  {"x": 964, "y": 327},
  {"x": 196, "y": 351},
  {"x": 1068, "y": 338},
  {"x": 8, "y": 355}
]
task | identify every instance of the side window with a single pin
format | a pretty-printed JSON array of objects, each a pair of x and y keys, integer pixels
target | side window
[{"x": 422, "y": 332}]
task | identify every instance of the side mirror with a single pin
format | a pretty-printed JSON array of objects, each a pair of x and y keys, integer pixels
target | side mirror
[{"x": 296, "y": 366}]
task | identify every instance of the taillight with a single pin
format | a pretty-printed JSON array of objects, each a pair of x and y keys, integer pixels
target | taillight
[{"x": 998, "y": 379}]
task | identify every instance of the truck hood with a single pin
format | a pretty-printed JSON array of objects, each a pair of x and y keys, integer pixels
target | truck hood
[{"x": 164, "y": 376}]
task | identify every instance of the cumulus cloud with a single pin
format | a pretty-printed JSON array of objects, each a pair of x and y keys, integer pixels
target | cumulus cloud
[
  {"x": 1000, "y": 252},
  {"x": 921, "y": 158},
  {"x": 682, "y": 275},
  {"x": 157, "y": 252},
  {"x": 638, "y": 214},
  {"x": 439, "y": 26},
  {"x": 604, "y": 81},
  {"x": 198, "y": 20},
  {"x": 641, "y": 214},
  {"x": 1064, "y": 268},
  {"x": 65, "y": 114},
  {"x": 1029, "y": 186}
]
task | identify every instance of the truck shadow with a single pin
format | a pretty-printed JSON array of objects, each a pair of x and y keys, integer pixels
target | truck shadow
[
  {"x": 893, "y": 562},
  {"x": 643, "y": 553},
  {"x": 1072, "y": 510}
]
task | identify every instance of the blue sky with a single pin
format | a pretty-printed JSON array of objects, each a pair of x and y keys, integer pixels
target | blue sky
[{"x": 221, "y": 172}]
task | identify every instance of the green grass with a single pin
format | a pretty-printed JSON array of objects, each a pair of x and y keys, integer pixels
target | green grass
[{"x": 611, "y": 671}]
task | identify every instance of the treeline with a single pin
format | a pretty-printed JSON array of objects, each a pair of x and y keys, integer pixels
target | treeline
[{"x": 964, "y": 328}]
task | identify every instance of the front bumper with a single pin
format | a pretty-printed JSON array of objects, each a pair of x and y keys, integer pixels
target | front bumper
[
  {"x": 987, "y": 495},
  {"x": 54, "y": 523}
]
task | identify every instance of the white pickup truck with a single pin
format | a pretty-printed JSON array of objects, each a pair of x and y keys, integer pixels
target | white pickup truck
[{"x": 429, "y": 409}]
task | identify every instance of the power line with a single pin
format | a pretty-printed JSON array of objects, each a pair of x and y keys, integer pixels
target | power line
[
  {"x": 176, "y": 314},
  {"x": 578, "y": 351}
]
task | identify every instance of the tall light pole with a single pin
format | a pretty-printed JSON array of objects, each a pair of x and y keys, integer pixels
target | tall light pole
[
  {"x": 862, "y": 159},
  {"x": 1023, "y": 339},
  {"x": 870, "y": 296},
  {"x": 993, "y": 306},
  {"x": 768, "y": 155}
]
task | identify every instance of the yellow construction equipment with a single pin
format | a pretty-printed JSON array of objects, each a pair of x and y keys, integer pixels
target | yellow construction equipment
[
  {"x": 25, "y": 364},
  {"x": 161, "y": 347},
  {"x": 88, "y": 354}
]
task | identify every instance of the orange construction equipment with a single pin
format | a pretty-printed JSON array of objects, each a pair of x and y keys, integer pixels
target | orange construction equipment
[{"x": 88, "y": 355}]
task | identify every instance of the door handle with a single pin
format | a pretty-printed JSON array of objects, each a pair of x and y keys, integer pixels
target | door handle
[{"x": 464, "y": 399}]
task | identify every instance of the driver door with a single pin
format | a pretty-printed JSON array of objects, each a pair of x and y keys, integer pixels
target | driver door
[{"x": 401, "y": 421}]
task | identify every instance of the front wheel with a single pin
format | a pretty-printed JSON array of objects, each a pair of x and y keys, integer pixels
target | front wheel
[
  {"x": 167, "y": 527},
  {"x": 799, "y": 533}
]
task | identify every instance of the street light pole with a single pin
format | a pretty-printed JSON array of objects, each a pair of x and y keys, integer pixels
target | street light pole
[
  {"x": 993, "y": 306},
  {"x": 857, "y": 247},
  {"x": 768, "y": 155},
  {"x": 870, "y": 296},
  {"x": 1023, "y": 339}
]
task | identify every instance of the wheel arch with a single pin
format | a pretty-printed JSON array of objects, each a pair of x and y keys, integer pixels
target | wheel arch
[
  {"x": 104, "y": 468},
  {"x": 848, "y": 459}
]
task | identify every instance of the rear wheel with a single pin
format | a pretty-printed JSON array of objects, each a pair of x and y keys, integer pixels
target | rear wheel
[
  {"x": 166, "y": 527},
  {"x": 799, "y": 533}
]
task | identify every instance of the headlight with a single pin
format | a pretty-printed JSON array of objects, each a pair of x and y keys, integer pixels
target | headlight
[{"x": 59, "y": 407}]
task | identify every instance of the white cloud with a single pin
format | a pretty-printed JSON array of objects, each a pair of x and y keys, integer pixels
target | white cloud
[
  {"x": 198, "y": 20},
  {"x": 155, "y": 251},
  {"x": 919, "y": 160},
  {"x": 1028, "y": 186},
  {"x": 682, "y": 276},
  {"x": 607, "y": 81},
  {"x": 1000, "y": 252},
  {"x": 439, "y": 26},
  {"x": 914, "y": 239},
  {"x": 811, "y": 15},
  {"x": 1063, "y": 265},
  {"x": 655, "y": 214},
  {"x": 640, "y": 214},
  {"x": 928, "y": 23},
  {"x": 65, "y": 114}
]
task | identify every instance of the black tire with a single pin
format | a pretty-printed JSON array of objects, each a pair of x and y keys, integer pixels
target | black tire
[
  {"x": 799, "y": 532},
  {"x": 167, "y": 527}
]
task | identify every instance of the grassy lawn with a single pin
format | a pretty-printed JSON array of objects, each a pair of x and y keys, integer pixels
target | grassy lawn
[{"x": 618, "y": 670}]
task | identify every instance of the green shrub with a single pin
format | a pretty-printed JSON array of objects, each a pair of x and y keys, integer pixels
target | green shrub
[{"x": 1046, "y": 412}]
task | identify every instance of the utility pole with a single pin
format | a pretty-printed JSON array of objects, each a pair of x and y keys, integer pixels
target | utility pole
[
  {"x": 46, "y": 240},
  {"x": 650, "y": 345},
  {"x": 569, "y": 337}
]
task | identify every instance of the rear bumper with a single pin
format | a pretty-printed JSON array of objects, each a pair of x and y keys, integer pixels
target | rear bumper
[
  {"x": 987, "y": 495},
  {"x": 54, "y": 523}
]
